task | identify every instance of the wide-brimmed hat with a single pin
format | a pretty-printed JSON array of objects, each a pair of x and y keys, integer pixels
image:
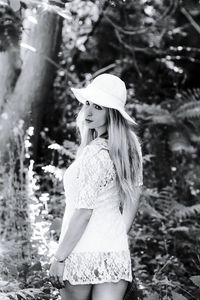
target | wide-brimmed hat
[{"x": 105, "y": 90}]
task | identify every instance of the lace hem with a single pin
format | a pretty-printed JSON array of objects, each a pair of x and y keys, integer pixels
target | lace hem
[{"x": 97, "y": 267}]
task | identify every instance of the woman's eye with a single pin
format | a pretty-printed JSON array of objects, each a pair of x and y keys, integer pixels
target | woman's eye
[{"x": 96, "y": 106}]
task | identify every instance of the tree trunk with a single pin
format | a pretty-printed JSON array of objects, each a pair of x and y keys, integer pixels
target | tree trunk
[
  {"x": 9, "y": 67},
  {"x": 27, "y": 101}
]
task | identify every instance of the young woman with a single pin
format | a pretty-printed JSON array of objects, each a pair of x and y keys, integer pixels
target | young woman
[{"x": 102, "y": 188}]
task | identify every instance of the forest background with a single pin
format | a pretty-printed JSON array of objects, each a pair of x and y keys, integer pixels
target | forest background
[{"x": 50, "y": 45}]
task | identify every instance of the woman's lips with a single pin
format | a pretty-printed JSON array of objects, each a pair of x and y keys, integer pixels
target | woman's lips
[{"x": 87, "y": 120}]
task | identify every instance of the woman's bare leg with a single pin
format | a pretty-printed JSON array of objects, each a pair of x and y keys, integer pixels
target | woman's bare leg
[
  {"x": 109, "y": 290},
  {"x": 76, "y": 292}
]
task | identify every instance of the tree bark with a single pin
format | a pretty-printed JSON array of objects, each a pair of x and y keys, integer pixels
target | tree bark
[
  {"x": 9, "y": 67},
  {"x": 27, "y": 101}
]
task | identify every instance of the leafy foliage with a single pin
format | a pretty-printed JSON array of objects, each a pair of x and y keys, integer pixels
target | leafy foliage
[
  {"x": 142, "y": 42},
  {"x": 10, "y": 28},
  {"x": 189, "y": 212}
]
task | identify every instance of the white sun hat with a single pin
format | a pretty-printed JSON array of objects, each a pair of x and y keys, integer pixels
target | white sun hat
[{"x": 105, "y": 90}]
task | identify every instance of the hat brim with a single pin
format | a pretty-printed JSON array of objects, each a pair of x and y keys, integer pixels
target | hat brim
[{"x": 84, "y": 94}]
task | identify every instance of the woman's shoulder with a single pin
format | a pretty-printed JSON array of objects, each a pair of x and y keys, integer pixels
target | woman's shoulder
[
  {"x": 99, "y": 143},
  {"x": 97, "y": 148},
  {"x": 96, "y": 158}
]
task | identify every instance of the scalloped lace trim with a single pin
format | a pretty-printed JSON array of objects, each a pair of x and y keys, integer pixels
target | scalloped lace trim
[{"x": 97, "y": 267}]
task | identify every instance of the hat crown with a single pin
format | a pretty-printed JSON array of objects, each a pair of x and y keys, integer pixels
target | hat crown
[
  {"x": 111, "y": 85},
  {"x": 106, "y": 90}
]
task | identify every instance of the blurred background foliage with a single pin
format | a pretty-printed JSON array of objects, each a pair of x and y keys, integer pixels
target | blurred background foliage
[{"x": 45, "y": 48}]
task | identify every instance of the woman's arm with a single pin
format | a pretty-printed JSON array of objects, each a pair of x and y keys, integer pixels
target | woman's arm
[
  {"x": 77, "y": 225},
  {"x": 93, "y": 171},
  {"x": 130, "y": 209}
]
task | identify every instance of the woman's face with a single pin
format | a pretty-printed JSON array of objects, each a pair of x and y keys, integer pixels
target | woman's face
[{"x": 94, "y": 115}]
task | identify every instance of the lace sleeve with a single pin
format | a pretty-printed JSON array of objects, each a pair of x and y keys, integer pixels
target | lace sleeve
[{"x": 93, "y": 173}]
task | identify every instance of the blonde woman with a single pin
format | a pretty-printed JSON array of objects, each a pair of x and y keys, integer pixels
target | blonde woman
[{"x": 102, "y": 188}]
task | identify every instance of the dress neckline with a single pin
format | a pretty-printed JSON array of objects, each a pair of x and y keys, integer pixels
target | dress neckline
[
  {"x": 99, "y": 138},
  {"x": 100, "y": 141}
]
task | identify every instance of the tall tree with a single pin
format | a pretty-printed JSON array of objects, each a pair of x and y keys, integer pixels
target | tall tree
[{"x": 26, "y": 79}]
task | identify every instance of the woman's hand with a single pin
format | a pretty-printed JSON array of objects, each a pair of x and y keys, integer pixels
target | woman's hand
[{"x": 56, "y": 274}]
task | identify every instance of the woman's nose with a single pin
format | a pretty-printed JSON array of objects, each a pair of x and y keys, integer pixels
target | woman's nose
[{"x": 89, "y": 110}]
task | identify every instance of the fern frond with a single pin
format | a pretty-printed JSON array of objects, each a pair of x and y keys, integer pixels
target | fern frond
[
  {"x": 190, "y": 94},
  {"x": 149, "y": 210},
  {"x": 24, "y": 293},
  {"x": 166, "y": 203},
  {"x": 195, "y": 138},
  {"x": 192, "y": 128},
  {"x": 148, "y": 109},
  {"x": 196, "y": 280},
  {"x": 179, "y": 229},
  {"x": 148, "y": 157},
  {"x": 153, "y": 113},
  {"x": 196, "y": 92},
  {"x": 165, "y": 119},
  {"x": 188, "y": 212},
  {"x": 161, "y": 204},
  {"x": 178, "y": 141},
  {"x": 190, "y": 110},
  {"x": 191, "y": 104},
  {"x": 187, "y": 105},
  {"x": 3, "y": 296}
]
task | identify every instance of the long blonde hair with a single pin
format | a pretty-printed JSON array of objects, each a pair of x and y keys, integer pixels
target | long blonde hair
[{"x": 124, "y": 149}]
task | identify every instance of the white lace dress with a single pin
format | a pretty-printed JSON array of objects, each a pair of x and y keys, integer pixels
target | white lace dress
[{"x": 102, "y": 254}]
